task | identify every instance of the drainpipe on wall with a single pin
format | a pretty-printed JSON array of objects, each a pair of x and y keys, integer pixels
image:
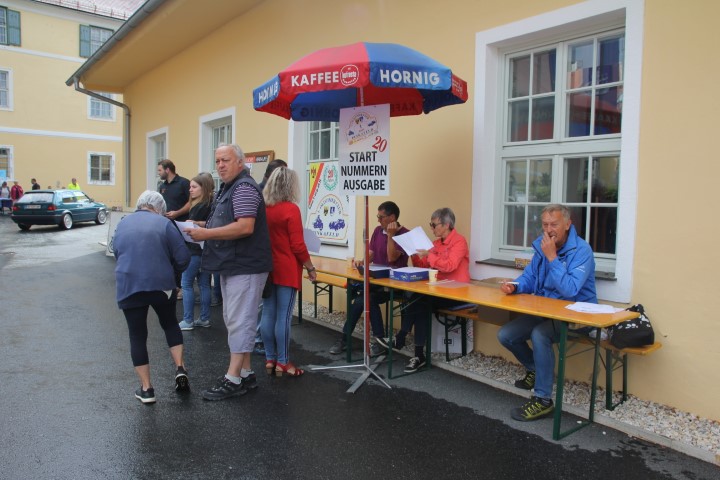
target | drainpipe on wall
[{"x": 126, "y": 133}]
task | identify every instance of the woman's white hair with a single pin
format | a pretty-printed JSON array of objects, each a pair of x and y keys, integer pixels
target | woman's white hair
[{"x": 151, "y": 200}]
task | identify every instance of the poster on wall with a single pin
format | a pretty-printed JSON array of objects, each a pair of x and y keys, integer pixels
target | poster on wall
[
  {"x": 364, "y": 150},
  {"x": 328, "y": 209}
]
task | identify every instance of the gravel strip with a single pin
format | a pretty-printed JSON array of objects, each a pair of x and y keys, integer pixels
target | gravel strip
[{"x": 652, "y": 417}]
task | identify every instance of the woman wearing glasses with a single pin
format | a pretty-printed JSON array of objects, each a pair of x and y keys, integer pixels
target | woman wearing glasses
[{"x": 450, "y": 257}]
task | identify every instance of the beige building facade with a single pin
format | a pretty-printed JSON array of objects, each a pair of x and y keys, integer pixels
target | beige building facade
[
  {"x": 588, "y": 103},
  {"x": 47, "y": 131}
]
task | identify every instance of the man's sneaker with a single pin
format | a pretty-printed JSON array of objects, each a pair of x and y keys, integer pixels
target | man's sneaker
[
  {"x": 250, "y": 382},
  {"x": 215, "y": 302},
  {"x": 145, "y": 396},
  {"x": 259, "y": 348},
  {"x": 532, "y": 410},
  {"x": 182, "y": 384},
  {"x": 338, "y": 347},
  {"x": 376, "y": 349},
  {"x": 385, "y": 343},
  {"x": 202, "y": 323},
  {"x": 185, "y": 326},
  {"x": 414, "y": 365},
  {"x": 528, "y": 382},
  {"x": 223, "y": 389}
]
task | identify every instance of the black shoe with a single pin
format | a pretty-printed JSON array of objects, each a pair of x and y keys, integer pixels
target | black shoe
[
  {"x": 528, "y": 382},
  {"x": 223, "y": 389},
  {"x": 338, "y": 347},
  {"x": 376, "y": 349},
  {"x": 385, "y": 343},
  {"x": 414, "y": 365},
  {"x": 249, "y": 382},
  {"x": 534, "y": 409},
  {"x": 145, "y": 396},
  {"x": 182, "y": 384}
]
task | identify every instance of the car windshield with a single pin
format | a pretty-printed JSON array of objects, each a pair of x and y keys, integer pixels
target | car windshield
[{"x": 39, "y": 197}]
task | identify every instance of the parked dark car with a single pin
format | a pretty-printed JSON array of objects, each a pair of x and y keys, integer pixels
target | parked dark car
[{"x": 57, "y": 207}]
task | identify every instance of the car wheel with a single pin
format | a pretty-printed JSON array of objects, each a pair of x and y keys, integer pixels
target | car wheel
[
  {"x": 101, "y": 217},
  {"x": 66, "y": 222},
  {"x": 24, "y": 227}
]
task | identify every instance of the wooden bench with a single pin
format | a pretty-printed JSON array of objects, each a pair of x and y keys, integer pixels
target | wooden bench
[
  {"x": 323, "y": 285},
  {"x": 615, "y": 358}
]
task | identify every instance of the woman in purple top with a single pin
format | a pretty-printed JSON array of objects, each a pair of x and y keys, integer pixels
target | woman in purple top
[{"x": 383, "y": 251}]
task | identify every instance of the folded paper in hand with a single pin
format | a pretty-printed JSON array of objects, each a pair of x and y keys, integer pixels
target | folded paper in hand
[{"x": 413, "y": 241}]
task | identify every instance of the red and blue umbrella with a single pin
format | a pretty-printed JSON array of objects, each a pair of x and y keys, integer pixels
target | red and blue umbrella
[{"x": 318, "y": 85}]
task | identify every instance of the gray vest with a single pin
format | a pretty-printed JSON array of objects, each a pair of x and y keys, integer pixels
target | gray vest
[{"x": 242, "y": 256}]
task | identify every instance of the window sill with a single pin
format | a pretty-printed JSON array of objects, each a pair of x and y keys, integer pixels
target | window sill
[{"x": 610, "y": 276}]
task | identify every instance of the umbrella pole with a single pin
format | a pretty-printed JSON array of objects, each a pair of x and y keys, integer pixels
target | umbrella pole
[{"x": 369, "y": 369}]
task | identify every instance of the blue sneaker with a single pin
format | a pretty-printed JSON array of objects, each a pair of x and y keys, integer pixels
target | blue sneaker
[
  {"x": 202, "y": 323},
  {"x": 186, "y": 325}
]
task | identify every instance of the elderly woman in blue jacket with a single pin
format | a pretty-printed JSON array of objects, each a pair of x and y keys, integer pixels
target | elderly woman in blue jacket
[
  {"x": 563, "y": 266},
  {"x": 150, "y": 250}
]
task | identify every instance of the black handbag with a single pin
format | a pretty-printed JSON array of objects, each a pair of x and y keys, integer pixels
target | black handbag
[{"x": 633, "y": 333}]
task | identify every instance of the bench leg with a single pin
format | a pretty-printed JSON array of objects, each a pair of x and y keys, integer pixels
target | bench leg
[
  {"x": 463, "y": 336},
  {"x": 315, "y": 291},
  {"x": 330, "y": 301}
]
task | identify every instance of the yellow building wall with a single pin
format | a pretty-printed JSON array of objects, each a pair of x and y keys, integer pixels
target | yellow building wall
[
  {"x": 48, "y": 128},
  {"x": 432, "y": 155}
]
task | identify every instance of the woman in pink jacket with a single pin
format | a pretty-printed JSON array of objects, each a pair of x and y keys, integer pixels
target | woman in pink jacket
[{"x": 450, "y": 257}]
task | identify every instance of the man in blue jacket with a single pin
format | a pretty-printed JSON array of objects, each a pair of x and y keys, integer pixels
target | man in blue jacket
[{"x": 562, "y": 267}]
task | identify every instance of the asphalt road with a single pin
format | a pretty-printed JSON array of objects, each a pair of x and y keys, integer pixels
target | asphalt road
[{"x": 68, "y": 410}]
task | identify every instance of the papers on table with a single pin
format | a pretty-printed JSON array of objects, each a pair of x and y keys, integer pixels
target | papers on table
[
  {"x": 312, "y": 242},
  {"x": 413, "y": 241},
  {"x": 378, "y": 268},
  {"x": 585, "y": 307},
  {"x": 182, "y": 226}
]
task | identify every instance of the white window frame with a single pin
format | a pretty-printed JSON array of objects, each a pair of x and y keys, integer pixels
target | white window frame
[
  {"x": 10, "y": 105},
  {"x": 11, "y": 164},
  {"x": 152, "y": 155},
  {"x": 99, "y": 104},
  {"x": 112, "y": 168},
  {"x": 206, "y": 152},
  {"x": 298, "y": 139},
  {"x": 589, "y": 16}
]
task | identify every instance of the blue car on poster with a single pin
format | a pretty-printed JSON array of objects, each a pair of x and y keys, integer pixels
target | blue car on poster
[
  {"x": 318, "y": 225},
  {"x": 63, "y": 208},
  {"x": 337, "y": 224}
]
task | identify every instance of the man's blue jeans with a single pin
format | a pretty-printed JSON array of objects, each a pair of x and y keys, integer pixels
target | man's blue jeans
[
  {"x": 378, "y": 296},
  {"x": 188, "y": 279},
  {"x": 539, "y": 359}
]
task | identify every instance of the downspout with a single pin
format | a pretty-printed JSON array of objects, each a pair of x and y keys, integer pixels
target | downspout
[{"x": 126, "y": 132}]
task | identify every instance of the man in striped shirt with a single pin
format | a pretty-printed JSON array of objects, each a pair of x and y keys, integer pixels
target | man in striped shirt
[{"x": 237, "y": 246}]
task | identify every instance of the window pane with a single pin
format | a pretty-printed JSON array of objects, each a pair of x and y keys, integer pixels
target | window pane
[
  {"x": 325, "y": 144},
  {"x": 534, "y": 229},
  {"x": 544, "y": 72},
  {"x": 608, "y": 110},
  {"x": 603, "y": 229},
  {"x": 540, "y": 180},
  {"x": 575, "y": 175},
  {"x": 543, "y": 118},
  {"x": 580, "y": 64},
  {"x": 520, "y": 77},
  {"x": 518, "y": 121},
  {"x": 611, "y": 56},
  {"x": 606, "y": 178},
  {"x": 514, "y": 225},
  {"x": 578, "y": 216},
  {"x": 578, "y": 114},
  {"x": 515, "y": 181},
  {"x": 314, "y": 146}
]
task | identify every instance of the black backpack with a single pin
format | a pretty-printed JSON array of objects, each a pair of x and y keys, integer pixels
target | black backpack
[{"x": 633, "y": 333}]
